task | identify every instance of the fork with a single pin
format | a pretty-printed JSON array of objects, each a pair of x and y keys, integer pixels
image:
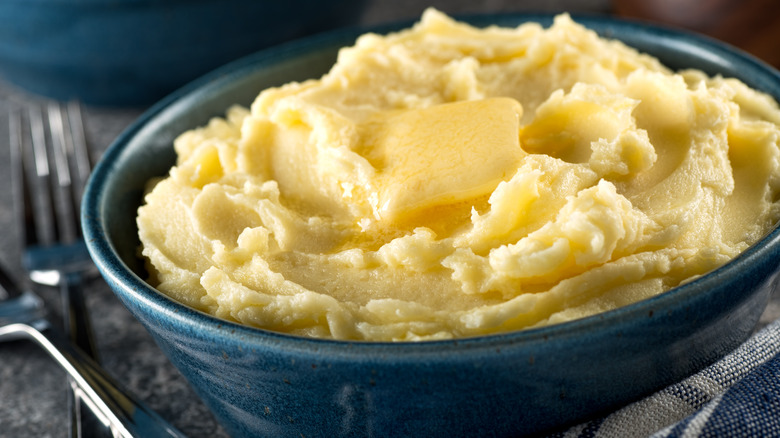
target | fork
[
  {"x": 47, "y": 185},
  {"x": 23, "y": 316}
]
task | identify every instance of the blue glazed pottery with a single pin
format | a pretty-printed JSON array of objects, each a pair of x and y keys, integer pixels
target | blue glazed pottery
[
  {"x": 260, "y": 383},
  {"x": 134, "y": 52}
]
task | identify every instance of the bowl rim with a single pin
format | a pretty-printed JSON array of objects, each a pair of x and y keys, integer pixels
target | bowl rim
[{"x": 205, "y": 325}]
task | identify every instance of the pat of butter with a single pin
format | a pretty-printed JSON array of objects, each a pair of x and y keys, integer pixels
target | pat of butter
[{"x": 444, "y": 154}]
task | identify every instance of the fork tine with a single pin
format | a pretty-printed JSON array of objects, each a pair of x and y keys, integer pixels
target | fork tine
[
  {"x": 81, "y": 160},
  {"x": 17, "y": 188},
  {"x": 42, "y": 215},
  {"x": 17, "y": 172},
  {"x": 63, "y": 183}
]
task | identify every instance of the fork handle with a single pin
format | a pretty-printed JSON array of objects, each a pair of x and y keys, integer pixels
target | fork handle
[
  {"x": 125, "y": 415},
  {"x": 77, "y": 320},
  {"x": 78, "y": 327}
]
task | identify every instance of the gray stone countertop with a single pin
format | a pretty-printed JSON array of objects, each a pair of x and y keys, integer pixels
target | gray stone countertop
[{"x": 33, "y": 390}]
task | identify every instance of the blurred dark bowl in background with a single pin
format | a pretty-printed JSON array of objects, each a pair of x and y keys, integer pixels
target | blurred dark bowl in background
[{"x": 133, "y": 52}]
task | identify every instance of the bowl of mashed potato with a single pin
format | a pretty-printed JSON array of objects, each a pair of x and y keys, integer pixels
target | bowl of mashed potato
[{"x": 495, "y": 227}]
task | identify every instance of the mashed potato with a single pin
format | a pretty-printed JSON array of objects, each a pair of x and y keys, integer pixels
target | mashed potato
[{"x": 447, "y": 181}]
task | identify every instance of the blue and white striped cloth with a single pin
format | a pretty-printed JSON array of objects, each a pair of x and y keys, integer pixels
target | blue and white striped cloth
[{"x": 738, "y": 396}]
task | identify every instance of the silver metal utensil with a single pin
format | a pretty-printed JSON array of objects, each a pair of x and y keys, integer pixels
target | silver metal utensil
[
  {"x": 23, "y": 316},
  {"x": 51, "y": 165}
]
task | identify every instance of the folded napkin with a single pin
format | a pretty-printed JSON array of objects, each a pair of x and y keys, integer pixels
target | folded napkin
[{"x": 738, "y": 396}]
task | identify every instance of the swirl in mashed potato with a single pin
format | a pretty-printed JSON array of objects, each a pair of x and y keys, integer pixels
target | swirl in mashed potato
[{"x": 447, "y": 181}]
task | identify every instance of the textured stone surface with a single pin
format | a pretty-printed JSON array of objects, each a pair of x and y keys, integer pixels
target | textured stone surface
[{"x": 33, "y": 390}]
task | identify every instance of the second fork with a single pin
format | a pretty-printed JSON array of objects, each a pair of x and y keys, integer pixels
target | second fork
[{"x": 51, "y": 173}]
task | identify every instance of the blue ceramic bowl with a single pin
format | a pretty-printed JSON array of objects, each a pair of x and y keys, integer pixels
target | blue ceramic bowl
[
  {"x": 260, "y": 383},
  {"x": 134, "y": 52}
]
